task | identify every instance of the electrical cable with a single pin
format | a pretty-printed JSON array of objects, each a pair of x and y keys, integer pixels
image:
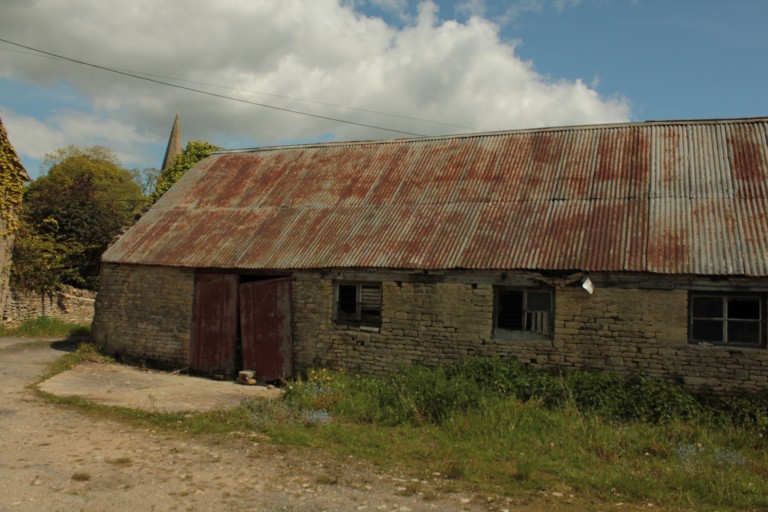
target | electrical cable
[
  {"x": 250, "y": 91},
  {"x": 208, "y": 93}
]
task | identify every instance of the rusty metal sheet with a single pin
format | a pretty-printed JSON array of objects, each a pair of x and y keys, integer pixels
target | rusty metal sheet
[
  {"x": 667, "y": 197},
  {"x": 265, "y": 325}
]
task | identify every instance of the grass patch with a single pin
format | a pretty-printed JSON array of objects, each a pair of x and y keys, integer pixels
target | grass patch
[
  {"x": 493, "y": 426},
  {"x": 46, "y": 327},
  {"x": 120, "y": 461},
  {"x": 81, "y": 476},
  {"x": 84, "y": 352}
]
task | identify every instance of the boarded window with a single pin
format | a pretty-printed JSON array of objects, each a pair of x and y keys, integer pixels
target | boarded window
[
  {"x": 358, "y": 304},
  {"x": 726, "y": 319},
  {"x": 523, "y": 311}
]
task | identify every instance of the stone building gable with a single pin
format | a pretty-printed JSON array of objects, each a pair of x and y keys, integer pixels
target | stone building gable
[{"x": 12, "y": 178}]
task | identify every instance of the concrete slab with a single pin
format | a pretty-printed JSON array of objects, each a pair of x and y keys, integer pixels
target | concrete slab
[{"x": 127, "y": 386}]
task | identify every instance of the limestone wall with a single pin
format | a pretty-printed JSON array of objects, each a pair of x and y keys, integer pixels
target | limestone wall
[
  {"x": 6, "y": 247},
  {"x": 145, "y": 313},
  {"x": 70, "y": 305},
  {"x": 422, "y": 323},
  {"x": 623, "y": 327},
  {"x": 616, "y": 329}
]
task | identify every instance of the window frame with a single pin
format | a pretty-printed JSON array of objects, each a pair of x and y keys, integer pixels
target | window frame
[
  {"x": 358, "y": 318},
  {"x": 524, "y": 333},
  {"x": 727, "y": 298}
]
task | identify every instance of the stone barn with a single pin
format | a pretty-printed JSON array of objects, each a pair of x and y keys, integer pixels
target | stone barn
[{"x": 627, "y": 247}]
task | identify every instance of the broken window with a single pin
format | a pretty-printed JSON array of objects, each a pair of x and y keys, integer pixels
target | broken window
[
  {"x": 358, "y": 304},
  {"x": 522, "y": 313},
  {"x": 726, "y": 319}
]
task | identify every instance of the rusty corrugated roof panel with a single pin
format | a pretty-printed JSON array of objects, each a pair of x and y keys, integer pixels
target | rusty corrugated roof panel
[{"x": 682, "y": 197}]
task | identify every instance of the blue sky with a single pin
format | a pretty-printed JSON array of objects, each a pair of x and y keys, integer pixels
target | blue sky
[{"x": 411, "y": 67}]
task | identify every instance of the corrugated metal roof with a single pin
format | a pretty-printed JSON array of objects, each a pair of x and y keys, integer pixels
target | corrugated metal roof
[{"x": 682, "y": 197}]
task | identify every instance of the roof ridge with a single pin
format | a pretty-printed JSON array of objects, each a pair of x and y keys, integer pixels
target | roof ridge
[{"x": 493, "y": 133}]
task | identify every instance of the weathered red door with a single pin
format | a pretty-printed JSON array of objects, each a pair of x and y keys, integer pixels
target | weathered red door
[
  {"x": 214, "y": 335},
  {"x": 265, "y": 328}
]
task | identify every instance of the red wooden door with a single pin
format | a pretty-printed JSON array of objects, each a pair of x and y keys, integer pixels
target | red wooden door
[
  {"x": 214, "y": 335},
  {"x": 265, "y": 328}
]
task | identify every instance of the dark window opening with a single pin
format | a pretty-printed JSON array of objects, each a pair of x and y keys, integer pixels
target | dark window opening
[
  {"x": 347, "y": 305},
  {"x": 358, "y": 304},
  {"x": 726, "y": 319},
  {"x": 510, "y": 310},
  {"x": 523, "y": 311}
]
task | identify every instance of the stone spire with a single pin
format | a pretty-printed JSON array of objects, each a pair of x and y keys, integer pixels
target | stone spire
[{"x": 174, "y": 144}]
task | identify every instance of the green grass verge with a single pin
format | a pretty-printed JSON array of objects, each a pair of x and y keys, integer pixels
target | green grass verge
[
  {"x": 84, "y": 352},
  {"x": 492, "y": 426},
  {"x": 46, "y": 327}
]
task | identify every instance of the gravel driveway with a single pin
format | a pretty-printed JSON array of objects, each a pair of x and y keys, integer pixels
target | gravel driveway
[{"x": 56, "y": 459}]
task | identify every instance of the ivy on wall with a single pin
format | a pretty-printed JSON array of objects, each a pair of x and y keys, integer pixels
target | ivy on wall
[{"x": 12, "y": 178}]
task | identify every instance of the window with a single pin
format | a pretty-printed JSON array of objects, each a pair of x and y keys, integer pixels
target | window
[
  {"x": 358, "y": 304},
  {"x": 522, "y": 313},
  {"x": 732, "y": 319}
]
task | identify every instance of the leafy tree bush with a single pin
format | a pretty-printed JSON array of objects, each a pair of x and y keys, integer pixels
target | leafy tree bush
[
  {"x": 41, "y": 263},
  {"x": 146, "y": 179},
  {"x": 193, "y": 153},
  {"x": 71, "y": 214}
]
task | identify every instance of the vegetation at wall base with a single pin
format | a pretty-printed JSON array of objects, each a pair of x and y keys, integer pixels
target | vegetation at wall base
[
  {"x": 495, "y": 426},
  {"x": 47, "y": 327},
  {"x": 84, "y": 352}
]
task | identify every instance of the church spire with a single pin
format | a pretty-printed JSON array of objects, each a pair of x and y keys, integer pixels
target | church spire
[{"x": 174, "y": 144}]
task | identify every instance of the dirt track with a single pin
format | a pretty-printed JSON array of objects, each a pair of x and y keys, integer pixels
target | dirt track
[{"x": 53, "y": 458}]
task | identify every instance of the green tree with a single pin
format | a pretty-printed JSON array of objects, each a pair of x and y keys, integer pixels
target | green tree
[
  {"x": 194, "y": 152},
  {"x": 41, "y": 263},
  {"x": 146, "y": 178},
  {"x": 77, "y": 209}
]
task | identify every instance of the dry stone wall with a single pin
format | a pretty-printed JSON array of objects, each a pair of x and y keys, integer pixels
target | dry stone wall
[
  {"x": 6, "y": 244},
  {"x": 70, "y": 305},
  {"x": 145, "y": 313},
  {"x": 422, "y": 323},
  {"x": 616, "y": 329}
]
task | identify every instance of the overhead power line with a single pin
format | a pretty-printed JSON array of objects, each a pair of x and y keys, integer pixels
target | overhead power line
[
  {"x": 208, "y": 93},
  {"x": 251, "y": 91},
  {"x": 315, "y": 102}
]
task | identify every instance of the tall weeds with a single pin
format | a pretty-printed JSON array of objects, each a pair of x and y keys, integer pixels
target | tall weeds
[{"x": 496, "y": 425}]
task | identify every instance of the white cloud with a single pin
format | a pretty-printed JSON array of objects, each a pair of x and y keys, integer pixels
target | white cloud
[
  {"x": 30, "y": 137},
  {"x": 33, "y": 138},
  {"x": 324, "y": 50},
  {"x": 472, "y": 7}
]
